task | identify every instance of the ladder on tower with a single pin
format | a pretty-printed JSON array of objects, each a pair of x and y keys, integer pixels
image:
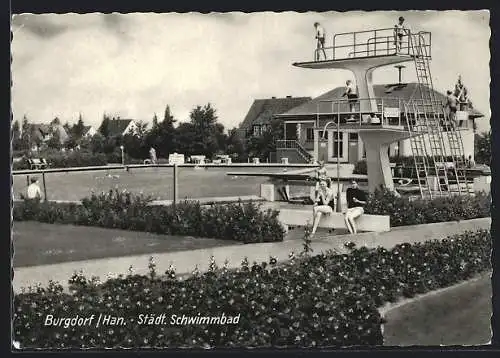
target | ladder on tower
[
  {"x": 457, "y": 153},
  {"x": 431, "y": 111},
  {"x": 417, "y": 130}
]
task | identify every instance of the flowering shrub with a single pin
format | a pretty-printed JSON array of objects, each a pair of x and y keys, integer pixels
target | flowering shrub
[
  {"x": 244, "y": 222},
  {"x": 405, "y": 212},
  {"x": 311, "y": 301}
]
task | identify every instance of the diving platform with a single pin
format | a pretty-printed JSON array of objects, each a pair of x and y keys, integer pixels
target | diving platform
[
  {"x": 363, "y": 52},
  {"x": 381, "y": 122},
  {"x": 348, "y": 63}
]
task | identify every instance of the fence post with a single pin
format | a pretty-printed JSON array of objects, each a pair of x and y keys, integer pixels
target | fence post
[
  {"x": 44, "y": 186},
  {"x": 176, "y": 183}
]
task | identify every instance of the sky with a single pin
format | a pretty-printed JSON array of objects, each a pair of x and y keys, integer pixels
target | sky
[{"x": 133, "y": 65}]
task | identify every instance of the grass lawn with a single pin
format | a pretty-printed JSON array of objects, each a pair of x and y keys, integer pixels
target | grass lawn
[
  {"x": 38, "y": 243},
  {"x": 158, "y": 182},
  {"x": 458, "y": 316}
]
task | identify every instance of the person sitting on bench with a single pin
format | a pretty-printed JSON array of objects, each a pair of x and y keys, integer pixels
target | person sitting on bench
[
  {"x": 323, "y": 204},
  {"x": 356, "y": 198}
]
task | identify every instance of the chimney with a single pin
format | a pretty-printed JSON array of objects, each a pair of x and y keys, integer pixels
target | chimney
[{"x": 400, "y": 68}]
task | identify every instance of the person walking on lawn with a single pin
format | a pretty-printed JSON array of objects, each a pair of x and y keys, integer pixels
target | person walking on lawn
[
  {"x": 356, "y": 199},
  {"x": 323, "y": 204}
]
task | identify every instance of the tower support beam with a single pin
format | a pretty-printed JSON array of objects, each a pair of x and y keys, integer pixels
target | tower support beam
[{"x": 377, "y": 157}]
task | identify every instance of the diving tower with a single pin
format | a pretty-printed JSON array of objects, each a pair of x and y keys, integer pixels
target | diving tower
[{"x": 362, "y": 53}]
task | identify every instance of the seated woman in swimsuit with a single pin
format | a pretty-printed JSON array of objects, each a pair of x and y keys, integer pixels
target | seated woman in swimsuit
[{"x": 323, "y": 204}]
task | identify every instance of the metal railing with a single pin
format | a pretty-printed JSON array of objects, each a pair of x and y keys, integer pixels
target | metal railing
[
  {"x": 171, "y": 185},
  {"x": 370, "y": 43},
  {"x": 388, "y": 111},
  {"x": 293, "y": 144}
]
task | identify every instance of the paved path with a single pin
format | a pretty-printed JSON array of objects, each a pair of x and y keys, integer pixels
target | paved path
[
  {"x": 185, "y": 261},
  {"x": 456, "y": 315}
]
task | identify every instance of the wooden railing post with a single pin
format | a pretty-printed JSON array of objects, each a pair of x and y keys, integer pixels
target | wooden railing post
[
  {"x": 176, "y": 183},
  {"x": 44, "y": 186}
]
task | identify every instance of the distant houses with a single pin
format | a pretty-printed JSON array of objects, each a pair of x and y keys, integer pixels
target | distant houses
[
  {"x": 118, "y": 126},
  {"x": 259, "y": 116},
  {"x": 89, "y": 132},
  {"x": 41, "y": 134}
]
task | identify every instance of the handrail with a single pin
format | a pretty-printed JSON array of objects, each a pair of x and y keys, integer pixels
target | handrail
[
  {"x": 293, "y": 144},
  {"x": 385, "y": 34},
  {"x": 141, "y": 166},
  {"x": 382, "y": 104}
]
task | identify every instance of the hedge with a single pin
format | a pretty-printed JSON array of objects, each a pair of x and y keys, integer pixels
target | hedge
[
  {"x": 403, "y": 211},
  {"x": 80, "y": 158},
  {"x": 244, "y": 222},
  {"x": 328, "y": 300},
  {"x": 67, "y": 160}
]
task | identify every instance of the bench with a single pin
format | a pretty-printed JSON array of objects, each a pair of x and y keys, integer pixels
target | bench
[
  {"x": 277, "y": 192},
  {"x": 37, "y": 163},
  {"x": 303, "y": 217}
]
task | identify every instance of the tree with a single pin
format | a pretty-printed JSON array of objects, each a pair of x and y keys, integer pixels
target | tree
[
  {"x": 163, "y": 136},
  {"x": 265, "y": 144},
  {"x": 186, "y": 139},
  {"x": 140, "y": 130},
  {"x": 135, "y": 141},
  {"x": 206, "y": 130},
  {"x": 104, "y": 127},
  {"x": 17, "y": 143},
  {"x": 26, "y": 134},
  {"x": 77, "y": 130},
  {"x": 55, "y": 122},
  {"x": 155, "y": 121},
  {"x": 97, "y": 143},
  {"x": 55, "y": 140},
  {"x": 235, "y": 146},
  {"x": 482, "y": 146}
]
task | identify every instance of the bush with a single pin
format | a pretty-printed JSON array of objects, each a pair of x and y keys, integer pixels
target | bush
[
  {"x": 58, "y": 159},
  {"x": 360, "y": 167},
  {"x": 244, "y": 222},
  {"x": 328, "y": 300},
  {"x": 422, "y": 211}
]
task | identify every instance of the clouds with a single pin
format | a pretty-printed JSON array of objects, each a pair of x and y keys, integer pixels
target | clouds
[{"x": 135, "y": 64}]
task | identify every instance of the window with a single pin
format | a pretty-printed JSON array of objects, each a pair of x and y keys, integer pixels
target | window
[
  {"x": 320, "y": 134},
  {"x": 256, "y": 131},
  {"x": 310, "y": 134},
  {"x": 353, "y": 137},
  {"x": 338, "y": 148}
]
